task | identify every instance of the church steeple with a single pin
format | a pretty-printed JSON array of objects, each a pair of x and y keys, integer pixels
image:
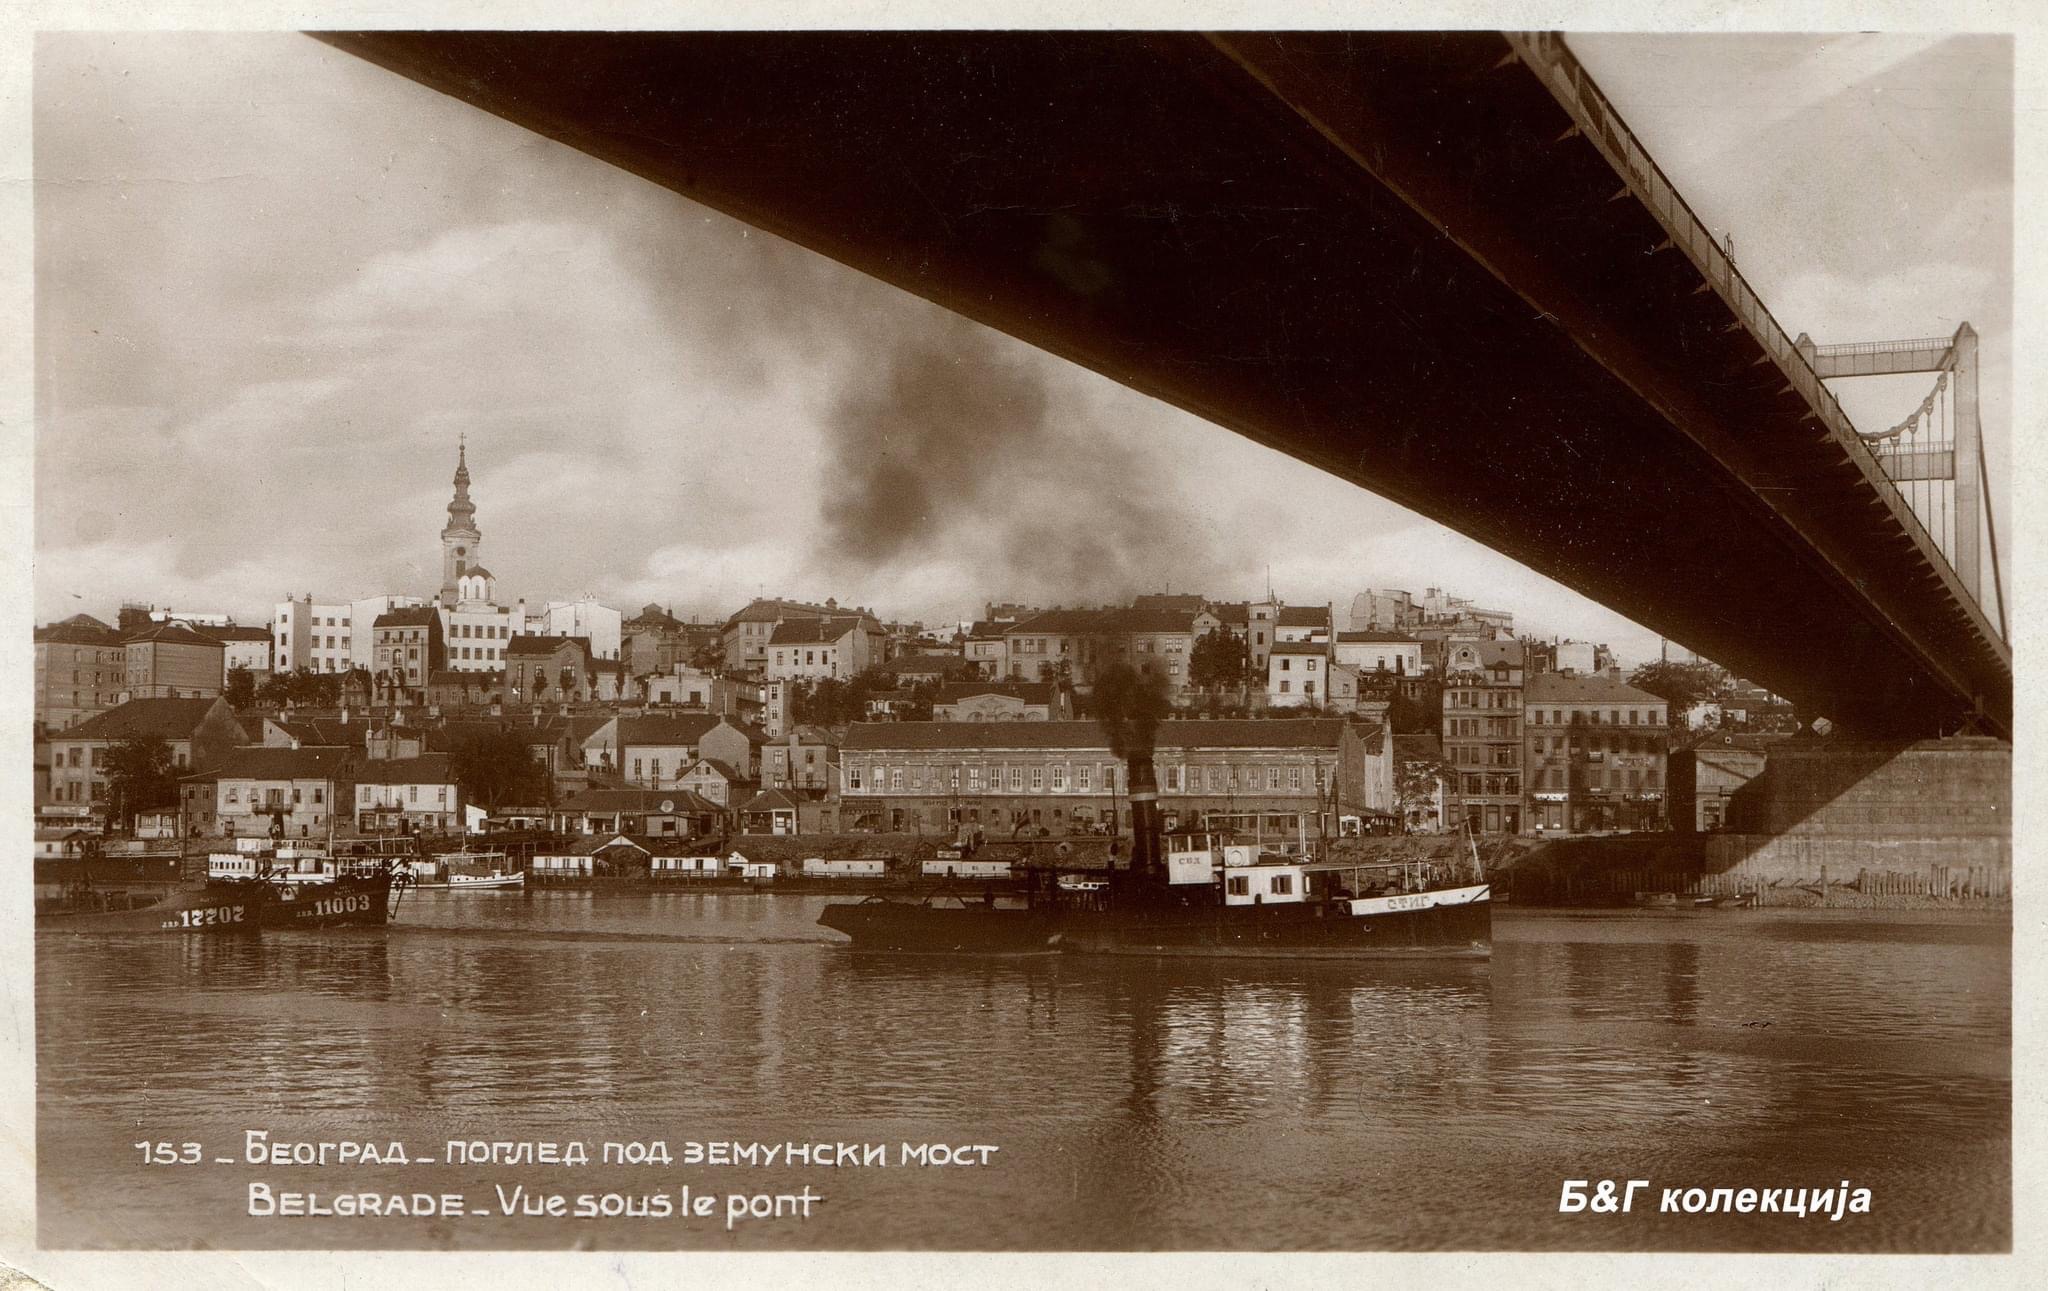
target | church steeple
[{"x": 461, "y": 540}]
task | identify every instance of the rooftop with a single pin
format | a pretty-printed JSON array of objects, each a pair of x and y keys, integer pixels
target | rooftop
[
  {"x": 545, "y": 645},
  {"x": 172, "y": 634},
  {"x": 1564, "y": 688},
  {"x": 1250, "y": 733},
  {"x": 258, "y": 762},
  {"x": 165, "y": 719},
  {"x": 411, "y": 616},
  {"x": 427, "y": 768},
  {"x": 1030, "y": 692}
]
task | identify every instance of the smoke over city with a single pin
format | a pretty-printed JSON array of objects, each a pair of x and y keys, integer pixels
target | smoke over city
[{"x": 955, "y": 445}]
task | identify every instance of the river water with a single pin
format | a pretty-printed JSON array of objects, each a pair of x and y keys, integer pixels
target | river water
[{"x": 1134, "y": 1105}]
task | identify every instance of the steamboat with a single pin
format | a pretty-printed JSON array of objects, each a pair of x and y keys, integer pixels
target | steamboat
[
  {"x": 1200, "y": 892},
  {"x": 261, "y": 885}
]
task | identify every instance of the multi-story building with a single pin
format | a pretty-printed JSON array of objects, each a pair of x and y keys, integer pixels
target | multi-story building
[
  {"x": 257, "y": 789},
  {"x": 808, "y": 649},
  {"x": 171, "y": 661},
  {"x": 199, "y": 732},
  {"x": 805, "y": 759},
  {"x": 599, "y": 624},
  {"x": 1157, "y": 639},
  {"x": 1383, "y": 609},
  {"x": 1377, "y": 650},
  {"x": 1000, "y": 701},
  {"x": 408, "y": 651},
  {"x": 1482, "y": 732},
  {"x": 318, "y": 636},
  {"x": 1256, "y": 624},
  {"x": 247, "y": 648},
  {"x": 407, "y": 795},
  {"x": 540, "y": 669},
  {"x": 746, "y": 634},
  {"x": 653, "y": 751},
  {"x": 1297, "y": 674},
  {"x": 81, "y": 669},
  {"x": 655, "y": 642},
  {"x": 985, "y": 648},
  {"x": 1298, "y": 623},
  {"x": 1595, "y": 755},
  {"x": 1023, "y": 777}
]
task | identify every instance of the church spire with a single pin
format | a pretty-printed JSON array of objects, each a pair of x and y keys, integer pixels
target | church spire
[
  {"x": 460, "y": 509},
  {"x": 461, "y": 540}
]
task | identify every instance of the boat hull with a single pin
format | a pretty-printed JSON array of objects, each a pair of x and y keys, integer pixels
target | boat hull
[
  {"x": 1458, "y": 927},
  {"x": 239, "y": 907},
  {"x": 209, "y": 911},
  {"x": 487, "y": 883},
  {"x": 907, "y": 927},
  {"x": 1460, "y": 930},
  {"x": 351, "y": 901}
]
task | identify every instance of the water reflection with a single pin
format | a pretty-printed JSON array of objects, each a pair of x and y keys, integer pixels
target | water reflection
[{"x": 1138, "y": 1103}]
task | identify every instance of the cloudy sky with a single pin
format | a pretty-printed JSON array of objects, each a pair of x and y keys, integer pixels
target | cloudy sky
[{"x": 274, "y": 283}]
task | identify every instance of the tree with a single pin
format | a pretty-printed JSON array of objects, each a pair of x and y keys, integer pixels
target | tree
[
  {"x": 1415, "y": 784},
  {"x": 922, "y": 696},
  {"x": 1219, "y": 661},
  {"x": 140, "y": 777},
  {"x": 241, "y": 688},
  {"x": 709, "y": 657},
  {"x": 1420, "y": 715},
  {"x": 1679, "y": 685},
  {"x": 495, "y": 768}
]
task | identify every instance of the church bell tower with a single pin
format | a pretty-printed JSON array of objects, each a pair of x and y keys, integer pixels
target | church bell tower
[{"x": 461, "y": 541}]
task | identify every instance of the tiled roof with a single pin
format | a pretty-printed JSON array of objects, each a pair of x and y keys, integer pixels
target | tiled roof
[
  {"x": 315, "y": 733},
  {"x": 411, "y": 616},
  {"x": 1251, "y": 733},
  {"x": 256, "y": 762},
  {"x": 1030, "y": 692},
  {"x": 682, "y": 802},
  {"x": 1299, "y": 647},
  {"x": 1349, "y": 638},
  {"x": 427, "y": 768},
  {"x": 1558, "y": 688},
  {"x": 544, "y": 645},
  {"x": 769, "y": 610},
  {"x": 171, "y": 634},
  {"x": 1168, "y": 601},
  {"x": 233, "y": 632},
  {"x": 722, "y": 768},
  {"x": 79, "y": 629},
  {"x": 1304, "y": 616},
  {"x": 1491, "y": 653},
  {"x": 812, "y": 631},
  {"x": 665, "y": 730},
  {"x": 770, "y": 800},
  {"x": 166, "y": 719},
  {"x": 1062, "y": 623}
]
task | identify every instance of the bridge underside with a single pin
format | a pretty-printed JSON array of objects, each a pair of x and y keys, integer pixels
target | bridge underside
[{"x": 1392, "y": 256}]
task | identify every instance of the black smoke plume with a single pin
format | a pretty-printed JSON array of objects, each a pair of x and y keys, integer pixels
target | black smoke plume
[
  {"x": 1129, "y": 706},
  {"x": 949, "y": 441}
]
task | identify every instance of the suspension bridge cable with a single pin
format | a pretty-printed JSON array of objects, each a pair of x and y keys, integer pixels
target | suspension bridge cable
[{"x": 1991, "y": 531}]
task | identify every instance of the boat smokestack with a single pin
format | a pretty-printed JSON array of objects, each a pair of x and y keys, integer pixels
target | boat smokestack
[
  {"x": 1147, "y": 854},
  {"x": 1128, "y": 706}
]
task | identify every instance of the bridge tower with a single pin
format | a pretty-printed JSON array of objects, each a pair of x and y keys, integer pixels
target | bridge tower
[{"x": 1940, "y": 442}]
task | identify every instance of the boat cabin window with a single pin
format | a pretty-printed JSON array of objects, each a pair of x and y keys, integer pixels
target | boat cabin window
[
  {"x": 1240, "y": 886},
  {"x": 1283, "y": 884}
]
